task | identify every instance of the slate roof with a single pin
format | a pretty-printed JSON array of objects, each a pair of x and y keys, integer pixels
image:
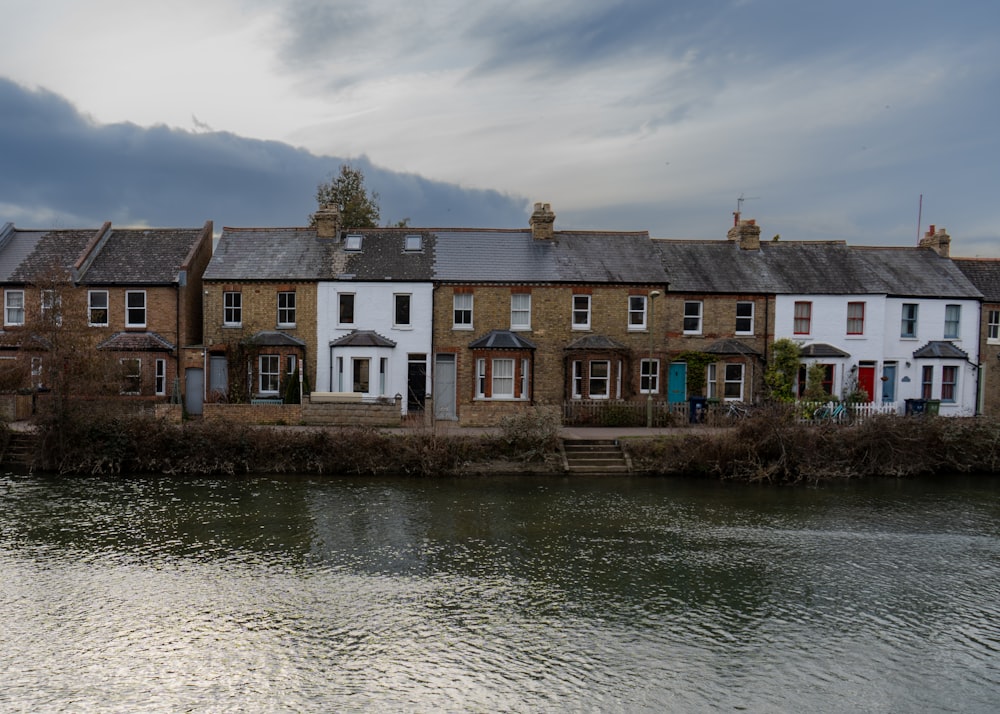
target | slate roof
[
  {"x": 817, "y": 268},
  {"x": 730, "y": 347},
  {"x": 463, "y": 255},
  {"x": 822, "y": 349},
  {"x": 136, "y": 342},
  {"x": 383, "y": 257},
  {"x": 141, "y": 257},
  {"x": 595, "y": 342},
  {"x": 274, "y": 338},
  {"x": 363, "y": 338},
  {"x": 984, "y": 273},
  {"x": 940, "y": 349},
  {"x": 27, "y": 255},
  {"x": 270, "y": 254},
  {"x": 502, "y": 340}
]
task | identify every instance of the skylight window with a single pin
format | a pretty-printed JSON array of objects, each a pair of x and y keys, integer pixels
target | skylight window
[
  {"x": 353, "y": 242},
  {"x": 414, "y": 243}
]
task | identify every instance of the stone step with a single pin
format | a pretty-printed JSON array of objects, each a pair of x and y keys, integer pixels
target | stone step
[{"x": 594, "y": 456}]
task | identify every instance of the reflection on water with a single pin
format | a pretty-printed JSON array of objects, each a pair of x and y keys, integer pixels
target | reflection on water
[{"x": 519, "y": 594}]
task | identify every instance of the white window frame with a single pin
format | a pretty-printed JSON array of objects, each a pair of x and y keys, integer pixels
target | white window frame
[
  {"x": 649, "y": 376},
  {"x": 577, "y": 379},
  {"x": 525, "y": 378},
  {"x": 711, "y": 380},
  {"x": 353, "y": 243},
  {"x": 293, "y": 363},
  {"x": 502, "y": 378},
  {"x": 993, "y": 326},
  {"x": 93, "y": 308},
  {"x": 137, "y": 376},
  {"x": 733, "y": 374},
  {"x": 13, "y": 307},
  {"x": 397, "y": 300},
  {"x": 692, "y": 320},
  {"x": 746, "y": 321},
  {"x": 160, "y": 383},
  {"x": 581, "y": 311},
  {"x": 286, "y": 310},
  {"x": 952, "y": 322},
  {"x": 129, "y": 308},
  {"x": 269, "y": 368},
  {"x": 232, "y": 308},
  {"x": 592, "y": 380},
  {"x": 36, "y": 372},
  {"x": 462, "y": 311},
  {"x": 637, "y": 312},
  {"x": 908, "y": 321},
  {"x": 413, "y": 243},
  {"x": 520, "y": 311}
]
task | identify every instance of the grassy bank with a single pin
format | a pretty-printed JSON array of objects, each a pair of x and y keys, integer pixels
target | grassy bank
[
  {"x": 781, "y": 450},
  {"x": 772, "y": 448}
]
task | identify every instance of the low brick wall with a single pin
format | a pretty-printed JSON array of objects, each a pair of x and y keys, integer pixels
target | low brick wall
[
  {"x": 253, "y": 413},
  {"x": 489, "y": 413},
  {"x": 172, "y": 413},
  {"x": 352, "y": 413}
]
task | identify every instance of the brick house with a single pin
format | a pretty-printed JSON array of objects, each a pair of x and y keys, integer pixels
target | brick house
[
  {"x": 260, "y": 312},
  {"x": 541, "y": 317},
  {"x": 984, "y": 273},
  {"x": 134, "y": 295}
]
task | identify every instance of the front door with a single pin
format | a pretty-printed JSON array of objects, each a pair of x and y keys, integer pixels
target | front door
[
  {"x": 866, "y": 380},
  {"x": 194, "y": 390},
  {"x": 416, "y": 383},
  {"x": 677, "y": 383},
  {"x": 219, "y": 375},
  {"x": 889, "y": 382},
  {"x": 444, "y": 386}
]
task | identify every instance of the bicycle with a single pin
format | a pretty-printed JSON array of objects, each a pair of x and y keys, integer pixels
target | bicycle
[
  {"x": 737, "y": 410},
  {"x": 835, "y": 412}
]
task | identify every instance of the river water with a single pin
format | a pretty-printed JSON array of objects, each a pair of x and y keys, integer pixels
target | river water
[{"x": 526, "y": 594}]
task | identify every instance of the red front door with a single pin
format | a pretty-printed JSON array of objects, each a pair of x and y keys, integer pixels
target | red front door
[{"x": 866, "y": 379}]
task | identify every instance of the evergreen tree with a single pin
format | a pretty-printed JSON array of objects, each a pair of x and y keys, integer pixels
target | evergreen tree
[{"x": 358, "y": 207}]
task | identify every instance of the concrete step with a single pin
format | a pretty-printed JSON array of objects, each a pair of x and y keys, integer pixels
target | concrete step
[{"x": 594, "y": 456}]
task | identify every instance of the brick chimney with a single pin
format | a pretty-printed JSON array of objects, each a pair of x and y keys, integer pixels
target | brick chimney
[
  {"x": 328, "y": 224},
  {"x": 746, "y": 233},
  {"x": 542, "y": 222},
  {"x": 938, "y": 240}
]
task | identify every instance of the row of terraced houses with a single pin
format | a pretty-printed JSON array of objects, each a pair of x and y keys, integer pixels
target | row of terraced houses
[{"x": 469, "y": 325}]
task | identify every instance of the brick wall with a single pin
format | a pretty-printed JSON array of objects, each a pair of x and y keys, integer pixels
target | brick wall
[{"x": 253, "y": 413}]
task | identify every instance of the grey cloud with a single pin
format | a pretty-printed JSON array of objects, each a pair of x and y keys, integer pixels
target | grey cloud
[{"x": 57, "y": 162}]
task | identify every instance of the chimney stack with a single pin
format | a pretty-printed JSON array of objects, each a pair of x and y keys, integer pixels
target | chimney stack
[
  {"x": 746, "y": 234},
  {"x": 542, "y": 222},
  {"x": 937, "y": 240},
  {"x": 328, "y": 221}
]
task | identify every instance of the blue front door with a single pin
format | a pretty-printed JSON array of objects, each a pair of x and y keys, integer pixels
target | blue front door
[
  {"x": 677, "y": 383},
  {"x": 889, "y": 382}
]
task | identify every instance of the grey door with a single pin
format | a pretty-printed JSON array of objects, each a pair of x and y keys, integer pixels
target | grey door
[
  {"x": 219, "y": 381},
  {"x": 444, "y": 387},
  {"x": 194, "y": 390}
]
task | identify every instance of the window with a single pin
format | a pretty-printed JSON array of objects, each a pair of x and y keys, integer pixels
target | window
[
  {"x": 993, "y": 325},
  {"x": 286, "y": 309},
  {"x": 577, "y": 379},
  {"x": 51, "y": 307},
  {"x": 401, "y": 310},
  {"x": 637, "y": 312},
  {"x": 949, "y": 377},
  {"x": 345, "y": 308},
  {"x": 268, "y": 378},
  {"x": 36, "y": 372},
  {"x": 97, "y": 308},
  {"x": 581, "y": 312},
  {"x": 13, "y": 313},
  {"x": 520, "y": 311},
  {"x": 733, "y": 386},
  {"x": 360, "y": 374},
  {"x": 525, "y": 381},
  {"x": 232, "y": 309},
  {"x": 926, "y": 382},
  {"x": 161, "y": 377},
  {"x": 600, "y": 379},
  {"x": 383, "y": 371},
  {"x": 413, "y": 243},
  {"x": 135, "y": 308},
  {"x": 131, "y": 375},
  {"x": 803, "y": 318},
  {"x": 462, "y": 311},
  {"x": 855, "y": 318},
  {"x": 952, "y": 319},
  {"x": 692, "y": 318},
  {"x": 713, "y": 387},
  {"x": 908, "y": 327},
  {"x": 503, "y": 379},
  {"x": 744, "y": 318},
  {"x": 293, "y": 363},
  {"x": 353, "y": 243},
  {"x": 649, "y": 376}
]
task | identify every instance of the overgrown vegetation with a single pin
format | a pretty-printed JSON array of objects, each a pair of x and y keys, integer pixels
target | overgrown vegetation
[{"x": 782, "y": 370}]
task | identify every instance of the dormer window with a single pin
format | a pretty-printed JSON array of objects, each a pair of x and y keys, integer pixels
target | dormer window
[
  {"x": 353, "y": 242},
  {"x": 413, "y": 243}
]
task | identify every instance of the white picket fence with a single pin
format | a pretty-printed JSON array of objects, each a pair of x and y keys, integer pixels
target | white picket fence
[{"x": 859, "y": 411}]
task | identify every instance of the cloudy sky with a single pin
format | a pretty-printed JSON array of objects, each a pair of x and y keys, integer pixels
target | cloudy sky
[{"x": 830, "y": 120}]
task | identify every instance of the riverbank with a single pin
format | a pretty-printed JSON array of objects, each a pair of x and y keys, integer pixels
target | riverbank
[{"x": 772, "y": 448}]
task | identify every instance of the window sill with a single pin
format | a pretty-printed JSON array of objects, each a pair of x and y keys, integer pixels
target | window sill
[
  {"x": 463, "y": 328},
  {"x": 290, "y": 326}
]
